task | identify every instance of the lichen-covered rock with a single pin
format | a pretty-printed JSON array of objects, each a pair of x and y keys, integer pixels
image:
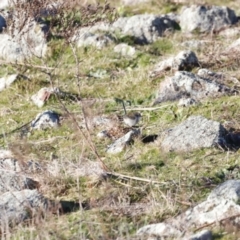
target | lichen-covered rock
[
  {"x": 206, "y": 18},
  {"x": 186, "y": 84},
  {"x": 18, "y": 206},
  {"x": 221, "y": 204},
  {"x": 194, "y": 133},
  {"x": 118, "y": 145},
  {"x": 25, "y": 39},
  {"x": 145, "y": 28},
  {"x": 47, "y": 119},
  {"x": 98, "y": 40},
  {"x": 12, "y": 181},
  {"x": 183, "y": 60}
]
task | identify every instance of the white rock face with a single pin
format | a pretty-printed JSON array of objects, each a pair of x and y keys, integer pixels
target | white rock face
[
  {"x": 206, "y": 19},
  {"x": 7, "y": 81}
]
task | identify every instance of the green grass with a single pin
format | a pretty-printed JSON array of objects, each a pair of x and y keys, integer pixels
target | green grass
[{"x": 178, "y": 174}]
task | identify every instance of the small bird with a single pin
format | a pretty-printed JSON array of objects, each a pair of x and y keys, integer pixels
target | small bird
[{"x": 132, "y": 119}]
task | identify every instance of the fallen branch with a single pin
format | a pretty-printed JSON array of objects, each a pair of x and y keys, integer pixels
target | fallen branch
[{"x": 122, "y": 176}]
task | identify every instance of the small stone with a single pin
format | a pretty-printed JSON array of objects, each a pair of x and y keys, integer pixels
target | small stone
[
  {"x": 47, "y": 119},
  {"x": 125, "y": 50}
]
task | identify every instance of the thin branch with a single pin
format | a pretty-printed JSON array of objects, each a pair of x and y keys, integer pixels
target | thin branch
[
  {"x": 215, "y": 222},
  {"x": 122, "y": 176}
]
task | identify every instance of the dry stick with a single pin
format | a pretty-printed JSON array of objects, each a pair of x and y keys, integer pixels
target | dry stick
[
  {"x": 122, "y": 176},
  {"x": 215, "y": 222},
  {"x": 150, "y": 108}
]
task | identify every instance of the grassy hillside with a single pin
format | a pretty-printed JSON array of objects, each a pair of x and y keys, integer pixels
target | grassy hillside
[{"x": 118, "y": 207}]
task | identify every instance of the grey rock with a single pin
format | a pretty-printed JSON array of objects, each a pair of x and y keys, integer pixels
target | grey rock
[
  {"x": 208, "y": 74},
  {"x": 9, "y": 163},
  {"x": 229, "y": 190},
  {"x": 12, "y": 181},
  {"x": 183, "y": 60},
  {"x": 98, "y": 40},
  {"x": 159, "y": 229},
  {"x": 218, "y": 77},
  {"x": 125, "y": 50},
  {"x": 47, "y": 119},
  {"x": 24, "y": 41},
  {"x": 145, "y": 28},
  {"x": 185, "y": 102},
  {"x": 191, "y": 85},
  {"x": 120, "y": 144},
  {"x": 206, "y": 19},
  {"x": 18, "y": 206},
  {"x": 218, "y": 206},
  {"x": 194, "y": 133}
]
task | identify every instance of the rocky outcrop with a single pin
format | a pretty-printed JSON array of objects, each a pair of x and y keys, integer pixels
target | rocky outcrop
[
  {"x": 146, "y": 28},
  {"x": 221, "y": 204},
  {"x": 98, "y": 40},
  {"x": 18, "y": 206},
  {"x": 25, "y": 38},
  {"x": 191, "y": 85},
  {"x": 184, "y": 60},
  {"x": 206, "y": 19}
]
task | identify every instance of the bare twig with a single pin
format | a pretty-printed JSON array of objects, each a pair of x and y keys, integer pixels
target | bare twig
[
  {"x": 215, "y": 222},
  {"x": 122, "y": 176}
]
